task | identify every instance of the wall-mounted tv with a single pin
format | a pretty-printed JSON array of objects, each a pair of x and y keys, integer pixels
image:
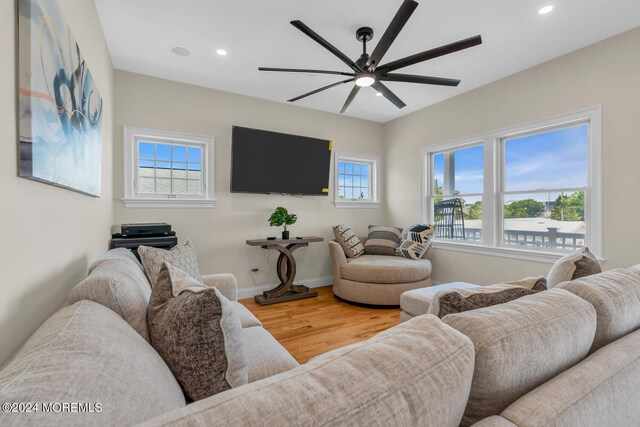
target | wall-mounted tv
[{"x": 270, "y": 162}]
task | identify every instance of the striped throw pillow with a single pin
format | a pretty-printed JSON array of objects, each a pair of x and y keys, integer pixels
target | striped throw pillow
[
  {"x": 416, "y": 240},
  {"x": 382, "y": 240},
  {"x": 347, "y": 239}
]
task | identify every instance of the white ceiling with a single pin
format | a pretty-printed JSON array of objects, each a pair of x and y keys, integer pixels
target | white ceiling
[{"x": 141, "y": 34}]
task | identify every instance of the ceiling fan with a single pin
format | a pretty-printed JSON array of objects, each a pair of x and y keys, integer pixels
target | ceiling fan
[{"x": 368, "y": 70}]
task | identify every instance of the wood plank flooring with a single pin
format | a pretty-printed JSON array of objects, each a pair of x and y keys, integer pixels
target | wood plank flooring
[{"x": 312, "y": 326}]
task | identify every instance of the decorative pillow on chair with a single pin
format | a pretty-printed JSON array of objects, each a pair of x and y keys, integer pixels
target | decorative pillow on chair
[
  {"x": 416, "y": 240},
  {"x": 196, "y": 331},
  {"x": 573, "y": 266},
  {"x": 180, "y": 256},
  {"x": 347, "y": 239},
  {"x": 459, "y": 300},
  {"x": 382, "y": 240}
]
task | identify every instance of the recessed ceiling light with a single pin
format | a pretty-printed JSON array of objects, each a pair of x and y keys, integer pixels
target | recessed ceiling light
[
  {"x": 221, "y": 52},
  {"x": 180, "y": 51},
  {"x": 378, "y": 94},
  {"x": 545, "y": 10}
]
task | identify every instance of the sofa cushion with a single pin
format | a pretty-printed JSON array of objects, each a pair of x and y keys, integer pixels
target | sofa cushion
[
  {"x": 522, "y": 344},
  {"x": 417, "y": 301},
  {"x": 417, "y": 373},
  {"x": 602, "y": 390},
  {"x": 116, "y": 280},
  {"x": 348, "y": 241},
  {"x": 181, "y": 256},
  {"x": 196, "y": 331},
  {"x": 265, "y": 356},
  {"x": 382, "y": 240},
  {"x": 86, "y": 353},
  {"x": 615, "y": 294},
  {"x": 385, "y": 269},
  {"x": 573, "y": 266},
  {"x": 415, "y": 241},
  {"x": 459, "y": 300}
]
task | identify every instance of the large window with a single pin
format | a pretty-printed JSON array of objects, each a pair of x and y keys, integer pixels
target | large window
[
  {"x": 534, "y": 188},
  {"x": 167, "y": 169},
  {"x": 356, "y": 180}
]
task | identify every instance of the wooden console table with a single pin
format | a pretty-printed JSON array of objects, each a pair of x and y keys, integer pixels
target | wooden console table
[{"x": 286, "y": 268}]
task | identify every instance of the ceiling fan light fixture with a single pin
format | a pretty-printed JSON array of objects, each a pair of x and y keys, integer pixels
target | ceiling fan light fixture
[{"x": 365, "y": 80}]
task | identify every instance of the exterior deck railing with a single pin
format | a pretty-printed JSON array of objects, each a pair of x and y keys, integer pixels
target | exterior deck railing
[{"x": 551, "y": 238}]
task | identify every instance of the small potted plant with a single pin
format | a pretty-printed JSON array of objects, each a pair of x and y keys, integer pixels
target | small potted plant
[{"x": 282, "y": 217}]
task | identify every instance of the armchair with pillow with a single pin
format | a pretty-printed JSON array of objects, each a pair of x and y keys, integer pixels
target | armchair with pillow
[{"x": 378, "y": 268}]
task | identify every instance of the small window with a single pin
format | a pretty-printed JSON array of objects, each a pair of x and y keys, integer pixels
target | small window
[
  {"x": 167, "y": 169},
  {"x": 356, "y": 180}
]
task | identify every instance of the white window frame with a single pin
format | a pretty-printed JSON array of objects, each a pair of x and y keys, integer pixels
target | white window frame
[
  {"x": 374, "y": 184},
  {"x": 494, "y": 171},
  {"x": 132, "y": 199}
]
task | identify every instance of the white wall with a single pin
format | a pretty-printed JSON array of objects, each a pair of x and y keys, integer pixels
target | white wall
[
  {"x": 605, "y": 74},
  {"x": 219, "y": 234},
  {"x": 49, "y": 235}
]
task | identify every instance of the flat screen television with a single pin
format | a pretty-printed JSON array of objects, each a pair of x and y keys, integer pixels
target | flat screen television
[{"x": 267, "y": 162}]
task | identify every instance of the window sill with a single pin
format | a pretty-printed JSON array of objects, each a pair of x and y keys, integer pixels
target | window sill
[
  {"x": 347, "y": 204},
  {"x": 523, "y": 254},
  {"x": 169, "y": 203}
]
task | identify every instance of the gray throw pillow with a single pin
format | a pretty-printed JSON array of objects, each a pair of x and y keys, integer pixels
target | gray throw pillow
[
  {"x": 460, "y": 300},
  {"x": 181, "y": 256},
  {"x": 382, "y": 240},
  {"x": 347, "y": 239},
  {"x": 416, "y": 241},
  {"x": 196, "y": 331},
  {"x": 573, "y": 266}
]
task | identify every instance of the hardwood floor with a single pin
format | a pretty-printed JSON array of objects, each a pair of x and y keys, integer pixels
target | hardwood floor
[{"x": 312, "y": 326}]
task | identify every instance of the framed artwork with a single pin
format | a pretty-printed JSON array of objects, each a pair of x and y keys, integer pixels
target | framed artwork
[{"x": 60, "y": 108}]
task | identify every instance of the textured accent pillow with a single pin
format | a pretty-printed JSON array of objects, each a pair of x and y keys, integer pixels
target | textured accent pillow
[
  {"x": 196, "y": 331},
  {"x": 573, "y": 266},
  {"x": 382, "y": 240},
  {"x": 416, "y": 240},
  {"x": 181, "y": 256},
  {"x": 347, "y": 239},
  {"x": 460, "y": 300}
]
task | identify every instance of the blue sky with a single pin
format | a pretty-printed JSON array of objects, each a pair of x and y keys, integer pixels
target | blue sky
[
  {"x": 354, "y": 175},
  {"x": 164, "y": 153},
  {"x": 557, "y": 159}
]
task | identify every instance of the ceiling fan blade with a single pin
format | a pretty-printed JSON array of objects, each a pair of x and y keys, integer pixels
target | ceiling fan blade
[
  {"x": 350, "y": 98},
  {"x": 331, "y": 48},
  {"x": 431, "y": 53},
  {"x": 319, "y": 90},
  {"x": 386, "y": 92},
  {"x": 297, "y": 70},
  {"x": 392, "y": 31},
  {"x": 427, "y": 80}
]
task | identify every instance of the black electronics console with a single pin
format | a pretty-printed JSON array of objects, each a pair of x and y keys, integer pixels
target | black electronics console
[
  {"x": 145, "y": 230},
  {"x": 133, "y": 235}
]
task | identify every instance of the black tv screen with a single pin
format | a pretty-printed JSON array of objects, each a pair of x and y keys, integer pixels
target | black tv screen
[{"x": 271, "y": 162}]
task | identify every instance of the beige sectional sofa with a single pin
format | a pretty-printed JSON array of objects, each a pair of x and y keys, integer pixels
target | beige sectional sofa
[
  {"x": 377, "y": 279},
  {"x": 569, "y": 356}
]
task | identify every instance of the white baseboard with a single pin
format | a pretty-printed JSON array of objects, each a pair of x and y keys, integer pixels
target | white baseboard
[{"x": 257, "y": 290}]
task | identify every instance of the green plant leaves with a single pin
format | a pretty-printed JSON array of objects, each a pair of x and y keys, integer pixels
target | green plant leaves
[{"x": 282, "y": 217}]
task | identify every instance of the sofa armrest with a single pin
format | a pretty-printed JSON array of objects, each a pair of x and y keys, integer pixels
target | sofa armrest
[
  {"x": 224, "y": 282},
  {"x": 395, "y": 378},
  {"x": 338, "y": 258}
]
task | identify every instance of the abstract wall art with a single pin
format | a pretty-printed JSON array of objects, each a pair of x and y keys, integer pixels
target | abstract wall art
[{"x": 60, "y": 108}]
